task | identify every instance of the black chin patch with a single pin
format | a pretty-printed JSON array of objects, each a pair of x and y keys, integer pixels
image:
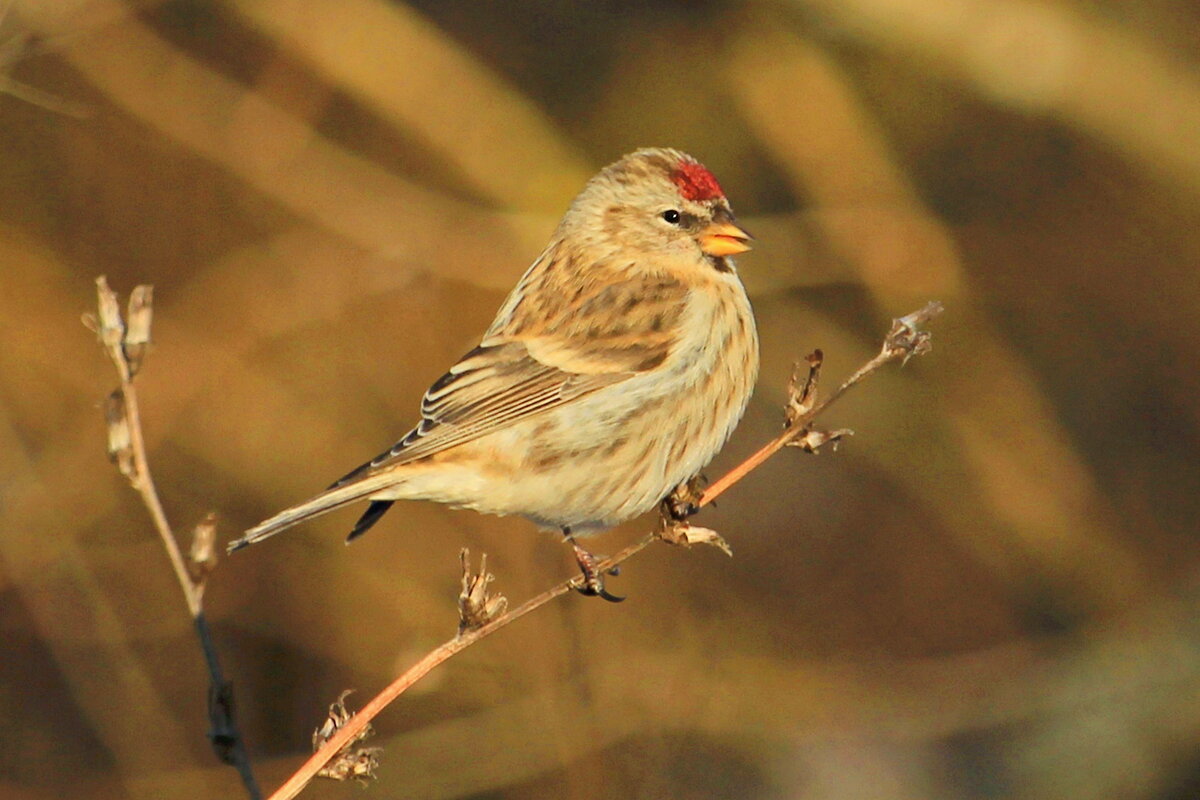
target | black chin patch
[{"x": 720, "y": 263}]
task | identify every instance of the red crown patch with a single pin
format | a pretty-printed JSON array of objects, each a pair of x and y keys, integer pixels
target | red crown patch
[{"x": 695, "y": 182}]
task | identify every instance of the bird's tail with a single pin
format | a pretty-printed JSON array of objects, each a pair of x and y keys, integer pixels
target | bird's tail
[{"x": 332, "y": 498}]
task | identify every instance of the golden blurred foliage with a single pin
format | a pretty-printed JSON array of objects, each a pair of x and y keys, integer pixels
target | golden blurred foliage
[{"x": 992, "y": 590}]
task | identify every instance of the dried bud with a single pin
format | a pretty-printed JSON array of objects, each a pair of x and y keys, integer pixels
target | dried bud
[
  {"x": 120, "y": 446},
  {"x": 811, "y": 441},
  {"x": 137, "y": 333},
  {"x": 202, "y": 556},
  {"x": 802, "y": 397},
  {"x": 906, "y": 338},
  {"x": 358, "y": 763},
  {"x": 109, "y": 328},
  {"x": 681, "y": 533},
  {"x": 476, "y": 605}
]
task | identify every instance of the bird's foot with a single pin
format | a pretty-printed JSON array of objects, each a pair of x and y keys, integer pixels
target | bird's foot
[
  {"x": 592, "y": 582},
  {"x": 684, "y": 501}
]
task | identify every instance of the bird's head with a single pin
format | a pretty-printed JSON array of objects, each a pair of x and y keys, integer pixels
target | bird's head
[{"x": 657, "y": 206}]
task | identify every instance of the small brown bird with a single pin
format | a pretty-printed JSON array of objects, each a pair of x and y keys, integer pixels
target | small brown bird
[{"x": 613, "y": 373}]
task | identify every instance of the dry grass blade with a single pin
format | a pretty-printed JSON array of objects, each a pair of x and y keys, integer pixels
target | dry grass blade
[
  {"x": 399, "y": 63},
  {"x": 14, "y": 48}
]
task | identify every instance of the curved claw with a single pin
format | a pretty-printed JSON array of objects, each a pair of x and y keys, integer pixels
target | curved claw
[
  {"x": 612, "y": 598},
  {"x": 599, "y": 591},
  {"x": 593, "y": 583}
]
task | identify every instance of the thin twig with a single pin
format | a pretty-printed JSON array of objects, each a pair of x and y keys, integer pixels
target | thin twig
[
  {"x": 434, "y": 658},
  {"x": 903, "y": 341},
  {"x": 144, "y": 484},
  {"x": 127, "y": 445}
]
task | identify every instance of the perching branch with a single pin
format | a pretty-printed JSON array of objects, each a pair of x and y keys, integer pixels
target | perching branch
[
  {"x": 126, "y": 345},
  {"x": 476, "y": 621},
  {"x": 903, "y": 341}
]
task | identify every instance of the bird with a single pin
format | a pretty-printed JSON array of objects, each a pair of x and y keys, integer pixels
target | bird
[{"x": 612, "y": 374}]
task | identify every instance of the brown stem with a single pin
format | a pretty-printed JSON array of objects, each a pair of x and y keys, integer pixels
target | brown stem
[
  {"x": 144, "y": 484},
  {"x": 226, "y": 739},
  {"x": 718, "y": 487},
  {"x": 350, "y": 730},
  {"x": 903, "y": 341}
]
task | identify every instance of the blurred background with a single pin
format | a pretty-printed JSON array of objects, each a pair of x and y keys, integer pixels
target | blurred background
[{"x": 992, "y": 590}]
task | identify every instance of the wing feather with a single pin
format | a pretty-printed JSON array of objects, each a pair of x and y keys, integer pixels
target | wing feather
[
  {"x": 540, "y": 357},
  {"x": 502, "y": 385}
]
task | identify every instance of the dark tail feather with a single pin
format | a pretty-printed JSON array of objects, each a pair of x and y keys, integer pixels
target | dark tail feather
[
  {"x": 328, "y": 500},
  {"x": 361, "y": 469},
  {"x": 374, "y": 511}
]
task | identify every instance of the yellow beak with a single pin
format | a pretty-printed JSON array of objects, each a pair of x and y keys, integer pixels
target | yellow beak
[{"x": 723, "y": 239}]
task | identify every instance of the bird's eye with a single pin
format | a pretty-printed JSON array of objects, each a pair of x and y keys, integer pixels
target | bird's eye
[{"x": 672, "y": 216}]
